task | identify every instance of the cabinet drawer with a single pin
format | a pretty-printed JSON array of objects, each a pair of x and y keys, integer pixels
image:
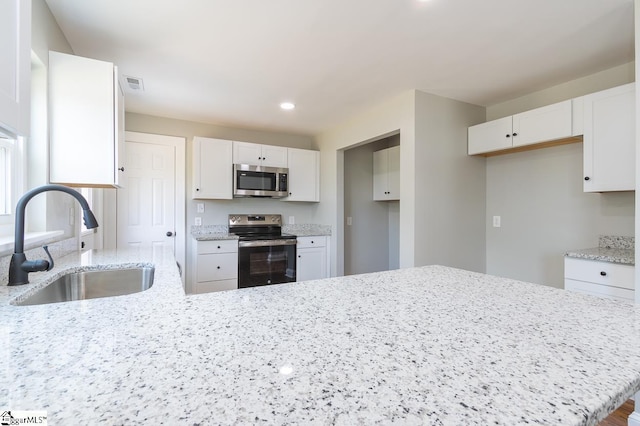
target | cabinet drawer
[
  {"x": 218, "y": 246},
  {"x": 306, "y": 242},
  {"x": 605, "y": 273},
  {"x": 221, "y": 266},
  {"x": 221, "y": 285},
  {"x": 599, "y": 290}
]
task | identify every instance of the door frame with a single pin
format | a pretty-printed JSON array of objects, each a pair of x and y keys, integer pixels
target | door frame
[{"x": 179, "y": 144}]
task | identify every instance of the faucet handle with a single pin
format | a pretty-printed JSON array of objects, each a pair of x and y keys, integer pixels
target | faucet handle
[{"x": 46, "y": 250}]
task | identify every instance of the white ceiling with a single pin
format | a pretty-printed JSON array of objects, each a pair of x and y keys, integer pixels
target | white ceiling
[{"x": 231, "y": 62}]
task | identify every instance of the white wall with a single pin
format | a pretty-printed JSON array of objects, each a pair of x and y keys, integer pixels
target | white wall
[
  {"x": 450, "y": 185},
  {"x": 48, "y": 211},
  {"x": 539, "y": 196}
]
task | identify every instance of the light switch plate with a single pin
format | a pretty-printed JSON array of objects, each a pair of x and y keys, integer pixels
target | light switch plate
[
  {"x": 496, "y": 221},
  {"x": 198, "y": 221},
  {"x": 200, "y": 207},
  {"x": 292, "y": 220}
]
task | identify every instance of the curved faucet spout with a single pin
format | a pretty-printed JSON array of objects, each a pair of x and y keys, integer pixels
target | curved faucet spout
[{"x": 20, "y": 267}]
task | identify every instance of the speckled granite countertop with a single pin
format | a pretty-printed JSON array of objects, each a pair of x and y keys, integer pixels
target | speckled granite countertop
[
  {"x": 610, "y": 249},
  {"x": 430, "y": 345},
  {"x": 221, "y": 232}
]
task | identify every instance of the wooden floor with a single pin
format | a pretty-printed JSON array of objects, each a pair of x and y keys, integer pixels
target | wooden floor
[{"x": 619, "y": 417}]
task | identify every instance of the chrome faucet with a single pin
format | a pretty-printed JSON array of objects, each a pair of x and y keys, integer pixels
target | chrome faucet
[{"x": 20, "y": 267}]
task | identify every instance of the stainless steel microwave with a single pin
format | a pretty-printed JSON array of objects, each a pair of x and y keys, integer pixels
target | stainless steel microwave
[{"x": 259, "y": 181}]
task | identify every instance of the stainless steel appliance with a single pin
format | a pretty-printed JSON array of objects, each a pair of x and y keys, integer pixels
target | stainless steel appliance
[
  {"x": 259, "y": 181},
  {"x": 265, "y": 255}
]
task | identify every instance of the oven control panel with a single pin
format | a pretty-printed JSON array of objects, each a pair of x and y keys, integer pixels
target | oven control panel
[{"x": 255, "y": 219}]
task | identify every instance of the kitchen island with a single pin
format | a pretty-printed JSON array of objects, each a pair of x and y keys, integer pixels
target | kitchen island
[{"x": 429, "y": 345}]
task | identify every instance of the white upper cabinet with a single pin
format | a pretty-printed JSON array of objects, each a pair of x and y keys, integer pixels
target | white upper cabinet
[
  {"x": 15, "y": 65},
  {"x": 542, "y": 124},
  {"x": 386, "y": 174},
  {"x": 548, "y": 123},
  {"x": 86, "y": 122},
  {"x": 212, "y": 168},
  {"x": 304, "y": 175},
  {"x": 609, "y": 140},
  {"x": 259, "y": 155}
]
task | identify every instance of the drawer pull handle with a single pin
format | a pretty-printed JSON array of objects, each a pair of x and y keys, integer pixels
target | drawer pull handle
[
  {"x": 218, "y": 246},
  {"x": 603, "y": 273}
]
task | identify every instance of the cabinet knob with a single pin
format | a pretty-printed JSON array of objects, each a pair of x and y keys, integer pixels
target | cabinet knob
[
  {"x": 312, "y": 241},
  {"x": 169, "y": 234},
  {"x": 508, "y": 135},
  {"x": 218, "y": 267},
  {"x": 515, "y": 134},
  {"x": 587, "y": 178},
  {"x": 197, "y": 189},
  {"x": 121, "y": 169},
  {"x": 299, "y": 256},
  {"x": 218, "y": 247},
  {"x": 603, "y": 273}
]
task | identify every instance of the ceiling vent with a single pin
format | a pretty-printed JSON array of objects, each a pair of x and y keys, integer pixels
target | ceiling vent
[{"x": 134, "y": 83}]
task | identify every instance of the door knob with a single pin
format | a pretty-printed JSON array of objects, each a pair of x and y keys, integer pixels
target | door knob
[{"x": 169, "y": 234}]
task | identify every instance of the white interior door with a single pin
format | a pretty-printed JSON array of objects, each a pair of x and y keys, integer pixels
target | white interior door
[{"x": 150, "y": 205}]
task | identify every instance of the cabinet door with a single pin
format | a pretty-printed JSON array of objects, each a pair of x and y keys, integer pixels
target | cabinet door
[
  {"x": 393, "y": 173},
  {"x": 212, "y": 168},
  {"x": 213, "y": 267},
  {"x": 82, "y": 151},
  {"x": 247, "y": 153},
  {"x": 609, "y": 140},
  {"x": 490, "y": 136},
  {"x": 274, "y": 156},
  {"x": 544, "y": 124},
  {"x": 15, "y": 72},
  {"x": 311, "y": 264},
  {"x": 119, "y": 165},
  {"x": 304, "y": 175},
  {"x": 380, "y": 159}
]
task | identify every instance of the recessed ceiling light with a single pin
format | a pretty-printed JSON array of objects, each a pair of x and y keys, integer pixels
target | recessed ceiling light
[{"x": 287, "y": 105}]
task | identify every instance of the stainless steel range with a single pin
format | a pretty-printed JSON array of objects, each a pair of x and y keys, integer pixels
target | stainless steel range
[{"x": 265, "y": 255}]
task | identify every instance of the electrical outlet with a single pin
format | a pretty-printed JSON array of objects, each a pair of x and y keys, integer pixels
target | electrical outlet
[
  {"x": 349, "y": 221},
  {"x": 198, "y": 221},
  {"x": 200, "y": 207},
  {"x": 292, "y": 220},
  {"x": 496, "y": 221}
]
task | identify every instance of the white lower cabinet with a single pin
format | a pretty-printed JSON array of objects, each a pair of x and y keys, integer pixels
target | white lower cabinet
[
  {"x": 313, "y": 258},
  {"x": 603, "y": 279},
  {"x": 215, "y": 267}
]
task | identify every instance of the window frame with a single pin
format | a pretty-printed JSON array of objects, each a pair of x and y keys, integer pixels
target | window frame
[{"x": 14, "y": 173}]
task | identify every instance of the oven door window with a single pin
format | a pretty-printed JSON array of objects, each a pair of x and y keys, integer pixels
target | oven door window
[
  {"x": 260, "y": 181},
  {"x": 266, "y": 265}
]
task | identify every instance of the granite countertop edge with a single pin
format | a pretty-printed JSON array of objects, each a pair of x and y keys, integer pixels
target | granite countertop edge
[{"x": 604, "y": 254}]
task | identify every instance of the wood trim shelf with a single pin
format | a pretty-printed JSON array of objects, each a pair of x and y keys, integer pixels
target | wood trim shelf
[{"x": 558, "y": 142}]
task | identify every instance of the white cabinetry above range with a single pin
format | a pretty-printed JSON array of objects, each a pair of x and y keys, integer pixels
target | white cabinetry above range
[
  {"x": 259, "y": 155},
  {"x": 212, "y": 169},
  {"x": 213, "y": 161}
]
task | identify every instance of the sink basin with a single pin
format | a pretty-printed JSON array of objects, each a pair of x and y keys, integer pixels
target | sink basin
[{"x": 92, "y": 285}]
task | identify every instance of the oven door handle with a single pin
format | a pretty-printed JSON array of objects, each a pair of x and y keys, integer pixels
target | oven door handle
[{"x": 266, "y": 243}]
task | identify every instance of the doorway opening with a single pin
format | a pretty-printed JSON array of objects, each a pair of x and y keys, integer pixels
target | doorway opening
[{"x": 372, "y": 228}]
